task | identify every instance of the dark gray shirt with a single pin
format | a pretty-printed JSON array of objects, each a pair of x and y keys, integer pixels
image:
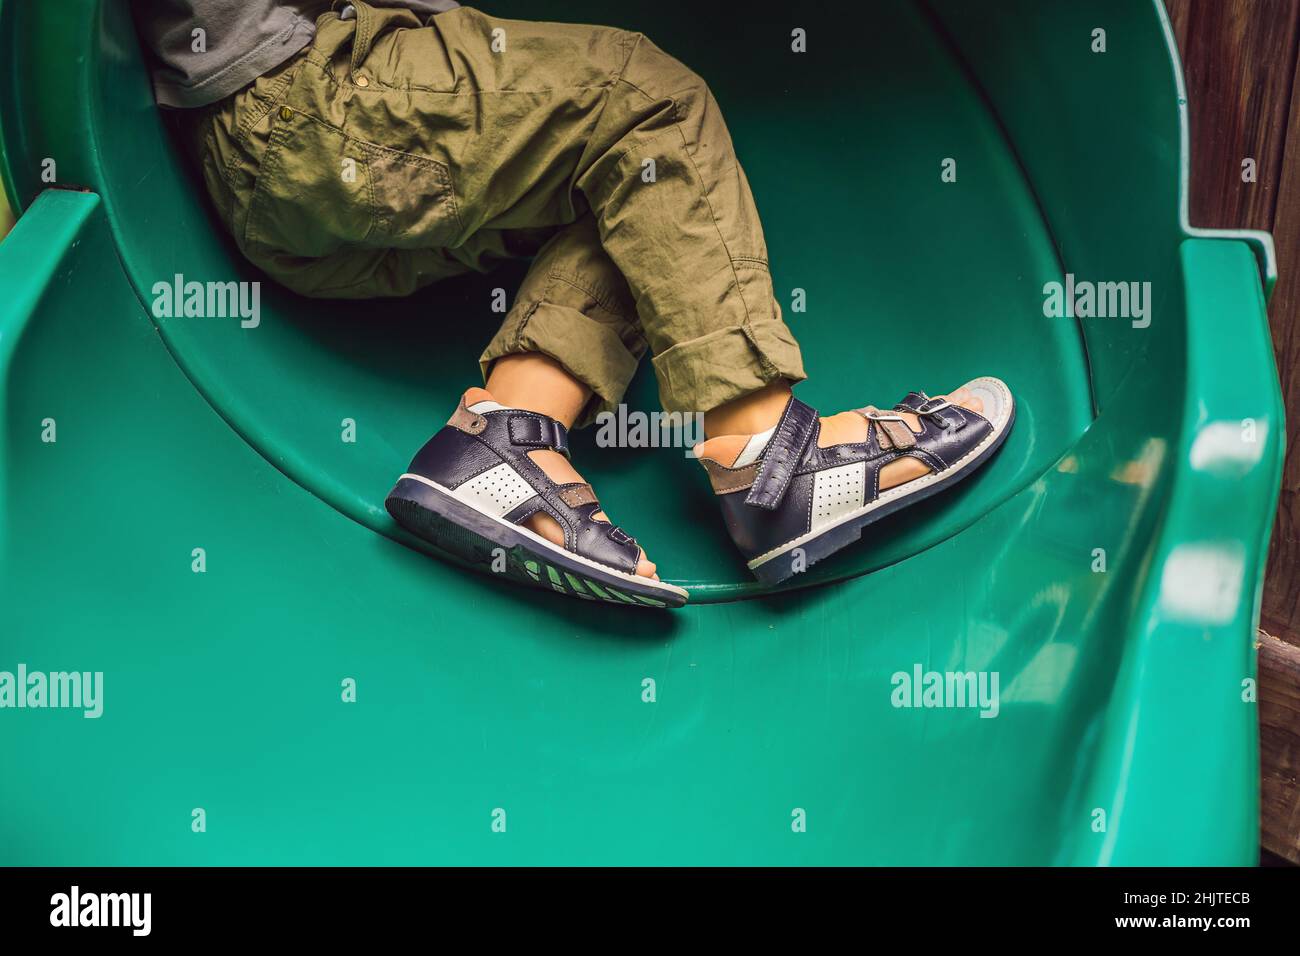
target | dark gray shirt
[{"x": 240, "y": 40}]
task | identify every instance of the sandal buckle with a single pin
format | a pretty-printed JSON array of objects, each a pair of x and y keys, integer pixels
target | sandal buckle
[{"x": 956, "y": 420}]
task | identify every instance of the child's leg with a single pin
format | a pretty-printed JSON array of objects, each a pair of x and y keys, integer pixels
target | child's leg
[
  {"x": 574, "y": 306},
  {"x": 379, "y": 160},
  {"x": 543, "y": 123},
  {"x": 568, "y": 347},
  {"x": 538, "y": 383}
]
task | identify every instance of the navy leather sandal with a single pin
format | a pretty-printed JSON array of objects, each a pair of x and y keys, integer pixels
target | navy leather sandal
[
  {"x": 472, "y": 486},
  {"x": 795, "y": 503}
]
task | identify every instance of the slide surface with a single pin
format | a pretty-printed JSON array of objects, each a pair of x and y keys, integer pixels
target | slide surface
[{"x": 288, "y": 678}]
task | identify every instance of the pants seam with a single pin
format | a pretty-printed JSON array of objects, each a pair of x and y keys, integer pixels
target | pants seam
[
  {"x": 704, "y": 193},
  {"x": 275, "y": 96},
  {"x": 518, "y": 338},
  {"x": 577, "y": 283}
]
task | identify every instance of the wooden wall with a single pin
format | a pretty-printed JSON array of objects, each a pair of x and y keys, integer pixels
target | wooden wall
[{"x": 1240, "y": 60}]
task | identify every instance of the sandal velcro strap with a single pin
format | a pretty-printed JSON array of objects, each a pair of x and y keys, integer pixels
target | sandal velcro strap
[
  {"x": 950, "y": 417},
  {"x": 892, "y": 435},
  {"x": 913, "y": 402},
  {"x": 938, "y": 409},
  {"x": 538, "y": 431},
  {"x": 784, "y": 450},
  {"x": 576, "y": 494},
  {"x": 622, "y": 537}
]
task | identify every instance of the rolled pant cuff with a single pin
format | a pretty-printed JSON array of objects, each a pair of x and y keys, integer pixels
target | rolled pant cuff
[
  {"x": 591, "y": 351},
  {"x": 700, "y": 375}
]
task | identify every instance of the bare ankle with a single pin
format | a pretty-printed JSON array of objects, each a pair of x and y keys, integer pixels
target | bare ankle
[
  {"x": 749, "y": 414},
  {"x": 538, "y": 383}
]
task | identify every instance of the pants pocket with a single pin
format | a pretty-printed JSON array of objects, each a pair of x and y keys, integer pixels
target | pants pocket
[{"x": 319, "y": 189}]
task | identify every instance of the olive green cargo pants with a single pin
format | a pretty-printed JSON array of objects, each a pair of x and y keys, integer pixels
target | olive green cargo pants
[{"x": 390, "y": 154}]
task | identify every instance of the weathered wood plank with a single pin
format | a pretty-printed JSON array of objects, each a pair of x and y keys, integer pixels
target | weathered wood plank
[
  {"x": 1279, "y": 746},
  {"x": 1180, "y": 16},
  {"x": 1238, "y": 58},
  {"x": 1282, "y": 582}
]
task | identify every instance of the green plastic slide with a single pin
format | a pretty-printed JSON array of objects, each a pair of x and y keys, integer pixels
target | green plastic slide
[{"x": 1050, "y": 664}]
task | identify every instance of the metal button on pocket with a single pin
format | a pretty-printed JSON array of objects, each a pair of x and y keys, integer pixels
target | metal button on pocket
[{"x": 362, "y": 80}]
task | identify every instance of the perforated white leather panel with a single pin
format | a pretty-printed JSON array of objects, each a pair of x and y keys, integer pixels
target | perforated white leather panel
[
  {"x": 497, "y": 492},
  {"x": 836, "y": 492}
]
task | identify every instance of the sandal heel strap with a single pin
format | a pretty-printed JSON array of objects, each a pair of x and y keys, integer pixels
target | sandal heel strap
[{"x": 781, "y": 457}]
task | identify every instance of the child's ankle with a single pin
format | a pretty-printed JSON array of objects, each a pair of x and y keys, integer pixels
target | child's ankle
[
  {"x": 749, "y": 414},
  {"x": 735, "y": 451}
]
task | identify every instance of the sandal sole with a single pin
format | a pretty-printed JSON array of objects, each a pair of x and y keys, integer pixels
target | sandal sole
[{"x": 434, "y": 515}]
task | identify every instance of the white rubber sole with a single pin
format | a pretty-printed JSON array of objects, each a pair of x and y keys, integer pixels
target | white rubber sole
[{"x": 508, "y": 532}]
